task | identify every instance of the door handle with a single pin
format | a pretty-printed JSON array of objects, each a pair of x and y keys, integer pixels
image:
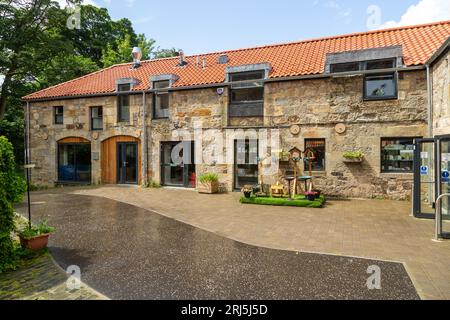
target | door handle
[{"x": 125, "y": 164}]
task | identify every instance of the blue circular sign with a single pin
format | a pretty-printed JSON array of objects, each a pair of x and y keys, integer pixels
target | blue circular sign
[{"x": 445, "y": 174}]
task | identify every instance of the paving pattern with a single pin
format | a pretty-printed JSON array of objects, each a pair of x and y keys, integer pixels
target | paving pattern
[
  {"x": 373, "y": 229},
  {"x": 41, "y": 279},
  {"x": 127, "y": 252}
]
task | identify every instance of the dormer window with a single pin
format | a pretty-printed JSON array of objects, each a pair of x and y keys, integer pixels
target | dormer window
[
  {"x": 247, "y": 94},
  {"x": 124, "y": 87},
  {"x": 362, "y": 65}
]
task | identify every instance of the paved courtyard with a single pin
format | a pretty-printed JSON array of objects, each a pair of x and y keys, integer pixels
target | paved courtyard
[
  {"x": 372, "y": 229},
  {"x": 126, "y": 252}
]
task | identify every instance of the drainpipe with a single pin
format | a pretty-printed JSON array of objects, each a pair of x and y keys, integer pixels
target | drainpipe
[
  {"x": 144, "y": 142},
  {"x": 27, "y": 134},
  {"x": 430, "y": 101}
]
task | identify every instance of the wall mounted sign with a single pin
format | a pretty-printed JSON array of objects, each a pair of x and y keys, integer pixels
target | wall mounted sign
[
  {"x": 220, "y": 91},
  {"x": 424, "y": 170},
  {"x": 340, "y": 128},
  {"x": 445, "y": 176}
]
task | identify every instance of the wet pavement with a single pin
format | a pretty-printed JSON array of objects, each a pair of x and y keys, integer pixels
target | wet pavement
[{"x": 126, "y": 252}]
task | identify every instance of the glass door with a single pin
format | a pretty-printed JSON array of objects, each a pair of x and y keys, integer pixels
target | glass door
[
  {"x": 444, "y": 181},
  {"x": 127, "y": 163},
  {"x": 424, "y": 178},
  {"x": 178, "y": 164},
  {"x": 74, "y": 163},
  {"x": 246, "y": 163}
]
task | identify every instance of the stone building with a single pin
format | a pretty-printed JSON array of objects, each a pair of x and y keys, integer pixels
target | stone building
[{"x": 366, "y": 92}]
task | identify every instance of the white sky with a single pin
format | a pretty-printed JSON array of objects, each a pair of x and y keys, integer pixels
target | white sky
[{"x": 424, "y": 11}]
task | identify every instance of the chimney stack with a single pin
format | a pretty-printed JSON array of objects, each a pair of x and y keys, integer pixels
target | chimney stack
[
  {"x": 182, "y": 61},
  {"x": 137, "y": 56}
]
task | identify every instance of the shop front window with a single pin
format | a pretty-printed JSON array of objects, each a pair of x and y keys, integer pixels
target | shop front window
[
  {"x": 317, "y": 146},
  {"x": 397, "y": 155}
]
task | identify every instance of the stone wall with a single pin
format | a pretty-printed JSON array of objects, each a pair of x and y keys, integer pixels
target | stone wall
[
  {"x": 317, "y": 105},
  {"x": 441, "y": 96},
  {"x": 44, "y": 134}
]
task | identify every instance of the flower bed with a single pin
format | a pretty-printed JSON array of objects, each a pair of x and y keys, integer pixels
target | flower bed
[{"x": 299, "y": 201}]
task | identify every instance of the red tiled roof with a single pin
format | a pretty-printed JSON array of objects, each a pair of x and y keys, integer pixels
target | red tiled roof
[{"x": 290, "y": 59}]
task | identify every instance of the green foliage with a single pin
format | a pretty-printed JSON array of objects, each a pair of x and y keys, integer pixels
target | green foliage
[
  {"x": 209, "y": 177},
  {"x": 152, "y": 184},
  {"x": 299, "y": 201},
  {"x": 12, "y": 188},
  {"x": 166, "y": 53},
  {"x": 41, "y": 228},
  {"x": 352, "y": 155}
]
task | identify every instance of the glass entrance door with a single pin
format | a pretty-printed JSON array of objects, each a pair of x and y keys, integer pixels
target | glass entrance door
[
  {"x": 74, "y": 163},
  {"x": 444, "y": 181},
  {"x": 127, "y": 163},
  {"x": 178, "y": 164},
  {"x": 424, "y": 178},
  {"x": 245, "y": 163}
]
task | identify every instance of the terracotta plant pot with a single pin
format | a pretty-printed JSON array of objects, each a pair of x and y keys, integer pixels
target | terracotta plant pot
[
  {"x": 36, "y": 243},
  {"x": 208, "y": 188}
]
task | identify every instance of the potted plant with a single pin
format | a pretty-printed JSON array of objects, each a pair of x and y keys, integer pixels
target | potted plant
[
  {"x": 354, "y": 156},
  {"x": 247, "y": 191},
  {"x": 36, "y": 237},
  {"x": 311, "y": 195},
  {"x": 209, "y": 183}
]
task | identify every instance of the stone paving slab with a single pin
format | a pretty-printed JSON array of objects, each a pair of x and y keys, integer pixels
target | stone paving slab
[
  {"x": 41, "y": 279},
  {"x": 373, "y": 229}
]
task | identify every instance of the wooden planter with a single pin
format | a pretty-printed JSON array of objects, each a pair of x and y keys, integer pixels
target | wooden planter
[
  {"x": 208, "y": 188},
  {"x": 36, "y": 243}
]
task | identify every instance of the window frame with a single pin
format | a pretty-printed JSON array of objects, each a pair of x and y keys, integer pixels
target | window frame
[
  {"x": 382, "y": 154},
  {"x": 120, "y": 98},
  {"x": 324, "y": 169},
  {"x": 56, "y": 115},
  {"x": 392, "y": 97},
  {"x": 92, "y": 118},
  {"x": 159, "y": 92},
  {"x": 257, "y": 83}
]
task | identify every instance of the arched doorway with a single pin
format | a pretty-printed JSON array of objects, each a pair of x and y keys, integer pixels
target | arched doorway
[
  {"x": 120, "y": 160},
  {"x": 74, "y": 160}
]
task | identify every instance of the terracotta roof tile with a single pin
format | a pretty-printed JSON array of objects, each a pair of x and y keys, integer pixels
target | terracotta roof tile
[{"x": 289, "y": 59}]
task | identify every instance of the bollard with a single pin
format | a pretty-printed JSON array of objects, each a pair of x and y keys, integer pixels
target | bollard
[{"x": 438, "y": 232}]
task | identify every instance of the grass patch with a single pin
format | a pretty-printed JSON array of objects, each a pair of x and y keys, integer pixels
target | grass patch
[{"x": 299, "y": 201}]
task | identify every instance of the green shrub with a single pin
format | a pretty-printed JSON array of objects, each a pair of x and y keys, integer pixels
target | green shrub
[
  {"x": 209, "y": 178},
  {"x": 12, "y": 189},
  {"x": 354, "y": 155},
  {"x": 152, "y": 184}
]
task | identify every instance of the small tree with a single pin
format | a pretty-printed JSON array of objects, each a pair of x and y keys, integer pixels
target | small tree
[{"x": 12, "y": 189}]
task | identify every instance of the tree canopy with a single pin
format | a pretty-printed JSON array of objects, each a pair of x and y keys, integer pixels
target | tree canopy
[{"x": 38, "y": 50}]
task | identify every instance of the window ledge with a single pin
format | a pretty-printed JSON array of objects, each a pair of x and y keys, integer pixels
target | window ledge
[
  {"x": 316, "y": 173},
  {"x": 397, "y": 175}
]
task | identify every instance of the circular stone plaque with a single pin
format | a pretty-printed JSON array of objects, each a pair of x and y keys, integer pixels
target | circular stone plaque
[
  {"x": 95, "y": 135},
  {"x": 295, "y": 129},
  {"x": 340, "y": 128}
]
